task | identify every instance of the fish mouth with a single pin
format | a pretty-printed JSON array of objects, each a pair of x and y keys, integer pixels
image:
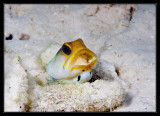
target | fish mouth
[{"x": 83, "y": 59}]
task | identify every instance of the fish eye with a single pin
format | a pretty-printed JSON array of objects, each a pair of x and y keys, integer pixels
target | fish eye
[{"x": 66, "y": 49}]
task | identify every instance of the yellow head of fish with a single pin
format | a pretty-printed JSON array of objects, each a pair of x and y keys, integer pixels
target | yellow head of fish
[{"x": 73, "y": 63}]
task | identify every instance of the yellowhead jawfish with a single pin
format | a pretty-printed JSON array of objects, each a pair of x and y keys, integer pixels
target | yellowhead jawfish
[{"x": 73, "y": 63}]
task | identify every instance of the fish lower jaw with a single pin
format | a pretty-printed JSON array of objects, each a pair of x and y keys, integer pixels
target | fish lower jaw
[{"x": 83, "y": 77}]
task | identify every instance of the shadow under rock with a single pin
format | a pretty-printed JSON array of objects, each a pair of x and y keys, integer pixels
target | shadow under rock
[
  {"x": 127, "y": 99},
  {"x": 94, "y": 77},
  {"x": 100, "y": 73}
]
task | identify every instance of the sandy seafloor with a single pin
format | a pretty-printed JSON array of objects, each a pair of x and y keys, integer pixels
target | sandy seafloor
[{"x": 122, "y": 35}]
